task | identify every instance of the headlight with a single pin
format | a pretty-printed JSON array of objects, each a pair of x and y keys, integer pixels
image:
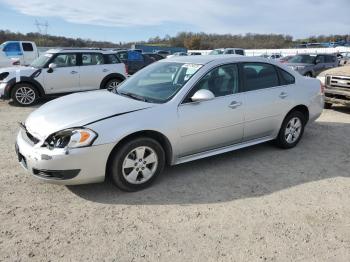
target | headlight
[
  {"x": 71, "y": 138},
  {"x": 4, "y": 75},
  {"x": 322, "y": 79}
]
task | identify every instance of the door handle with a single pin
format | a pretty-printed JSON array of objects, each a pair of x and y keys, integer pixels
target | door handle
[
  {"x": 234, "y": 104},
  {"x": 105, "y": 70},
  {"x": 74, "y": 72},
  {"x": 283, "y": 95}
]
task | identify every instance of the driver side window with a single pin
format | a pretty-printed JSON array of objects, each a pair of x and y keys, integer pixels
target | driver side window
[
  {"x": 65, "y": 60},
  {"x": 221, "y": 81}
]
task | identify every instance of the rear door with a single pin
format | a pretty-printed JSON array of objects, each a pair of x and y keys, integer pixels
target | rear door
[
  {"x": 92, "y": 70},
  {"x": 265, "y": 100},
  {"x": 65, "y": 77}
]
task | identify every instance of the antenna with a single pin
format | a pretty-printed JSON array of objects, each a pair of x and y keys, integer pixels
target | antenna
[{"x": 42, "y": 27}]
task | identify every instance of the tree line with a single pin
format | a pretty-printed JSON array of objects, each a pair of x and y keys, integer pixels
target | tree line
[{"x": 200, "y": 41}]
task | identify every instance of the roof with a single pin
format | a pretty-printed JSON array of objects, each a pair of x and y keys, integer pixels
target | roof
[
  {"x": 75, "y": 50},
  {"x": 205, "y": 59}
]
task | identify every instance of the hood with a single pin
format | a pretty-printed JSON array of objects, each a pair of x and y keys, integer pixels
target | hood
[
  {"x": 78, "y": 110},
  {"x": 340, "y": 71},
  {"x": 18, "y": 68}
]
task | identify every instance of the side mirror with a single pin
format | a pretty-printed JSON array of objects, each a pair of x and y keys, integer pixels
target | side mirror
[
  {"x": 52, "y": 66},
  {"x": 202, "y": 95}
]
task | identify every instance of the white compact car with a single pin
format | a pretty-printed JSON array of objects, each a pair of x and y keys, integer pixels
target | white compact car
[
  {"x": 62, "y": 71},
  {"x": 173, "y": 111}
]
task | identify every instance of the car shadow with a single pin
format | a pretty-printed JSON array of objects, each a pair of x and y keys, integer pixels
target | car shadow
[
  {"x": 342, "y": 109},
  {"x": 39, "y": 103},
  {"x": 246, "y": 173}
]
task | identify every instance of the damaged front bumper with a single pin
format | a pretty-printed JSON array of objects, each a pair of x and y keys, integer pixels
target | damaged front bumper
[{"x": 337, "y": 96}]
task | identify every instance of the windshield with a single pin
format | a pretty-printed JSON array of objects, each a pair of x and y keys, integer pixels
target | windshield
[
  {"x": 304, "y": 59},
  {"x": 41, "y": 61},
  {"x": 158, "y": 82},
  {"x": 216, "y": 52}
]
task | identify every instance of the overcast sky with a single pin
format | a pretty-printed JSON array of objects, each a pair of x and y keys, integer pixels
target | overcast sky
[{"x": 131, "y": 20}]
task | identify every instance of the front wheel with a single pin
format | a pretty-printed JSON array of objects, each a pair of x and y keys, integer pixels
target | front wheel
[
  {"x": 24, "y": 95},
  {"x": 308, "y": 74},
  {"x": 136, "y": 164},
  {"x": 292, "y": 130}
]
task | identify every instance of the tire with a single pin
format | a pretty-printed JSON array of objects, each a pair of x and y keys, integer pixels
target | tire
[
  {"x": 24, "y": 94},
  {"x": 308, "y": 74},
  {"x": 327, "y": 105},
  {"x": 112, "y": 83},
  {"x": 128, "y": 172},
  {"x": 292, "y": 130}
]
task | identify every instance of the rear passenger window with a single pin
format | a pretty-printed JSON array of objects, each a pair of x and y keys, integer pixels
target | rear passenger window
[
  {"x": 92, "y": 59},
  {"x": 134, "y": 56},
  {"x": 259, "y": 76},
  {"x": 239, "y": 52},
  {"x": 112, "y": 59},
  {"x": 285, "y": 77},
  {"x": 330, "y": 59},
  {"x": 27, "y": 47}
]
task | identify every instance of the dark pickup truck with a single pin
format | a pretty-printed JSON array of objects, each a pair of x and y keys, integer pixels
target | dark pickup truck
[{"x": 134, "y": 60}]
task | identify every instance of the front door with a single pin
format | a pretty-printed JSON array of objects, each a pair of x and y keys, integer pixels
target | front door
[
  {"x": 65, "y": 77},
  {"x": 215, "y": 123}
]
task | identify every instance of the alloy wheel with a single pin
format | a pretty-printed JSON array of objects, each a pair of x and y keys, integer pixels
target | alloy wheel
[
  {"x": 112, "y": 85},
  {"x": 139, "y": 165},
  {"x": 25, "y": 95},
  {"x": 293, "y": 130}
]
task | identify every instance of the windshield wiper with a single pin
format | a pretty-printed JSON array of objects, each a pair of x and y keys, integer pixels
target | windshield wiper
[{"x": 134, "y": 96}]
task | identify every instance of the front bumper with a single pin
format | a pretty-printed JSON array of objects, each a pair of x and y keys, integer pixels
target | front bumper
[
  {"x": 337, "y": 96},
  {"x": 78, "y": 166},
  {"x": 2, "y": 90}
]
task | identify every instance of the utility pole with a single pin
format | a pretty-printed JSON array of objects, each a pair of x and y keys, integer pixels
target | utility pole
[
  {"x": 42, "y": 30},
  {"x": 42, "y": 27}
]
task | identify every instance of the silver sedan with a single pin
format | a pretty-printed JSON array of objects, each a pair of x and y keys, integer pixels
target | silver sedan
[{"x": 173, "y": 111}]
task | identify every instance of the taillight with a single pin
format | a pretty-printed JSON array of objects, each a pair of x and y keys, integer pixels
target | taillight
[
  {"x": 322, "y": 88},
  {"x": 126, "y": 69}
]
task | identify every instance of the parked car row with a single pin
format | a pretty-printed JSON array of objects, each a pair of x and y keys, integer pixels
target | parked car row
[{"x": 173, "y": 111}]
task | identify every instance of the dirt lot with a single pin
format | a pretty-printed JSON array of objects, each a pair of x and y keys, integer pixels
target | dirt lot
[{"x": 256, "y": 204}]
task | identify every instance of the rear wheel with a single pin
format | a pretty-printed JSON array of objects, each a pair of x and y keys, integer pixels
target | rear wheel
[
  {"x": 24, "y": 95},
  {"x": 137, "y": 164},
  {"x": 308, "y": 74},
  {"x": 112, "y": 84},
  {"x": 327, "y": 105},
  {"x": 292, "y": 130}
]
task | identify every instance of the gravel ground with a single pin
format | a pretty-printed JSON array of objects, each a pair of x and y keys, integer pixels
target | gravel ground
[{"x": 255, "y": 204}]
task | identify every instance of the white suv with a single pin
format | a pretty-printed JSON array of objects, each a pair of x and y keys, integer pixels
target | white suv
[{"x": 61, "y": 71}]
